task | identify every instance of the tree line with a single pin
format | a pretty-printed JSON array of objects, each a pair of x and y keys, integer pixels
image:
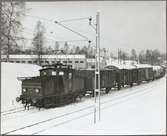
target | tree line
[{"x": 13, "y": 12}]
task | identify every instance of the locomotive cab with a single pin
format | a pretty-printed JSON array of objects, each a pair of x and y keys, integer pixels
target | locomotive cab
[{"x": 60, "y": 84}]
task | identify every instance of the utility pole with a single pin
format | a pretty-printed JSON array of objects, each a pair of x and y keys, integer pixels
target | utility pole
[
  {"x": 118, "y": 55},
  {"x": 97, "y": 70}
]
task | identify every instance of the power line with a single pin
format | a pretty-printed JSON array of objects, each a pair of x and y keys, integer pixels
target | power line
[
  {"x": 75, "y": 19},
  {"x": 72, "y": 30}
]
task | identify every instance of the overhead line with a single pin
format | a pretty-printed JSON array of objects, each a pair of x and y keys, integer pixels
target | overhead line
[
  {"x": 71, "y": 30},
  {"x": 75, "y": 19}
]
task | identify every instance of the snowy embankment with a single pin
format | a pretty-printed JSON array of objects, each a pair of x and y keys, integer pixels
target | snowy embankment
[{"x": 10, "y": 86}]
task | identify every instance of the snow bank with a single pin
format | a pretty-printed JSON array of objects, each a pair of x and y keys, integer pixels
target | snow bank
[{"x": 10, "y": 86}]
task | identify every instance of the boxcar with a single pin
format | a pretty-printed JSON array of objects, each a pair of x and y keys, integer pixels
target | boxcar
[
  {"x": 126, "y": 74},
  {"x": 145, "y": 72},
  {"x": 159, "y": 71},
  {"x": 108, "y": 79}
]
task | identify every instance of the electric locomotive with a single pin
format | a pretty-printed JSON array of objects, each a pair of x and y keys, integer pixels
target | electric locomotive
[{"x": 57, "y": 85}]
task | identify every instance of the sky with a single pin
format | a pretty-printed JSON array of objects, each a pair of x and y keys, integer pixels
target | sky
[{"x": 123, "y": 24}]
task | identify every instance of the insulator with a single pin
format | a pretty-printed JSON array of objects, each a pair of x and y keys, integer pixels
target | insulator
[{"x": 90, "y": 20}]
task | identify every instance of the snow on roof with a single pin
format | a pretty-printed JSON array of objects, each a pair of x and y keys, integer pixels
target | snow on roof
[
  {"x": 142, "y": 65},
  {"x": 157, "y": 67},
  {"x": 128, "y": 62},
  {"x": 47, "y": 56},
  {"x": 121, "y": 66}
]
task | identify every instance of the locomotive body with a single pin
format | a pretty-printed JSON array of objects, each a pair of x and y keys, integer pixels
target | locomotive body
[{"x": 57, "y": 85}]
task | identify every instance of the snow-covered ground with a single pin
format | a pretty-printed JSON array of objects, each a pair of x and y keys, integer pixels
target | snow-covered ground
[
  {"x": 10, "y": 86},
  {"x": 137, "y": 110}
]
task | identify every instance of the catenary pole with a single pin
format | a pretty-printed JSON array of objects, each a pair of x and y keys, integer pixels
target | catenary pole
[{"x": 97, "y": 69}]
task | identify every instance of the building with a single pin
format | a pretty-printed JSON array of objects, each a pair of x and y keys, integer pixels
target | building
[
  {"x": 76, "y": 61},
  {"x": 91, "y": 63}
]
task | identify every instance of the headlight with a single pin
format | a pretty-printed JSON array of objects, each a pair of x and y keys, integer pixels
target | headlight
[
  {"x": 24, "y": 89},
  {"x": 37, "y": 90}
]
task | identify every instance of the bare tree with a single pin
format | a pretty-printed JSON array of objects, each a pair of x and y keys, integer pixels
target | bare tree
[
  {"x": 57, "y": 46},
  {"x": 66, "y": 48},
  {"x": 133, "y": 55},
  {"x": 38, "y": 41},
  {"x": 10, "y": 24}
]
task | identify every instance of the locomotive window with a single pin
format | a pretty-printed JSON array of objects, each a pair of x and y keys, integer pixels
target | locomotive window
[
  {"x": 37, "y": 90},
  {"x": 70, "y": 75},
  {"x": 44, "y": 73},
  {"x": 24, "y": 89},
  {"x": 81, "y": 62},
  {"x": 61, "y": 73},
  {"x": 53, "y": 73},
  {"x": 76, "y": 61}
]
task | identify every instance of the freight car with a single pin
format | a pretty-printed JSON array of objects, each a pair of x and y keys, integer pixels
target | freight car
[
  {"x": 126, "y": 74},
  {"x": 108, "y": 78},
  {"x": 159, "y": 71},
  {"x": 57, "y": 85},
  {"x": 145, "y": 72}
]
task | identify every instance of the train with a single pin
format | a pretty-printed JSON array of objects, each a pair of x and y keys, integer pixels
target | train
[{"x": 60, "y": 84}]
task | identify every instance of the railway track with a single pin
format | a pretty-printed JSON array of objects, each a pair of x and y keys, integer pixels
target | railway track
[{"x": 70, "y": 116}]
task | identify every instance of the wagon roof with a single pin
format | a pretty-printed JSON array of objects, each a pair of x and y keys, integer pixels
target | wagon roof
[
  {"x": 142, "y": 65},
  {"x": 156, "y": 67},
  {"x": 120, "y": 66}
]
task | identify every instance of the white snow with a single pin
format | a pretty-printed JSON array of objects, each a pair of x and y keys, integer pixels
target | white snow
[
  {"x": 143, "y": 65},
  {"x": 10, "y": 86},
  {"x": 137, "y": 110},
  {"x": 121, "y": 66}
]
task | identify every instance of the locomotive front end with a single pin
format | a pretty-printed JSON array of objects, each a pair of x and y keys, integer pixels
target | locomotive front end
[{"x": 31, "y": 93}]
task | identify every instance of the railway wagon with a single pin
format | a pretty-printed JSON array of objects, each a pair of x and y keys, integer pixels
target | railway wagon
[
  {"x": 159, "y": 71},
  {"x": 145, "y": 72},
  {"x": 57, "y": 85},
  {"x": 126, "y": 74},
  {"x": 108, "y": 79}
]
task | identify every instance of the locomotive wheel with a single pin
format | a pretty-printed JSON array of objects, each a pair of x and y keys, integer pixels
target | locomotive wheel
[{"x": 107, "y": 90}]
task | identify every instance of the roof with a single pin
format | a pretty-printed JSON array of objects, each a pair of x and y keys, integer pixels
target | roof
[
  {"x": 92, "y": 60},
  {"x": 120, "y": 66},
  {"x": 157, "y": 67},
  {"x": 143, "y": 65},
  {"x": 81, "y": 56}
]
